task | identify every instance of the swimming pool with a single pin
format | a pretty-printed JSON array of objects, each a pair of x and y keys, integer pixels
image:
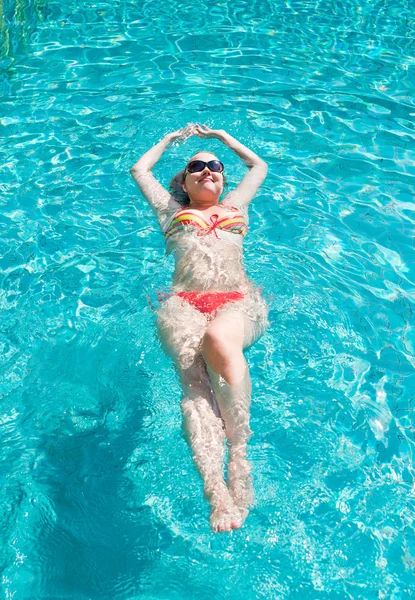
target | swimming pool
[{"x": 99, "y": 493}]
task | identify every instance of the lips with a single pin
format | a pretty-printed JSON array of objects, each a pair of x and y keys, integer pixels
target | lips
[{"x": 208, "y": 178}]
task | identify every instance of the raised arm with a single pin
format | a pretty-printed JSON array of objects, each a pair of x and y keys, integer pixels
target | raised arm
[
  {"x": 258, "y": 168},
  {"x": 157, "y": 196}
]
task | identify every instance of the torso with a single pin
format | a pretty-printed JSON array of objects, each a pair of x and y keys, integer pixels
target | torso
[{"x": 207, "y": 246}]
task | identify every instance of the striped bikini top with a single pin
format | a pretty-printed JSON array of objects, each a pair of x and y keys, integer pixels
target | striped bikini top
[{"x": 232, "y": 221}]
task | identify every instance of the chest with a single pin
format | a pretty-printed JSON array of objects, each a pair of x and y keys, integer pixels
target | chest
[{"x": 231, "y": 221}]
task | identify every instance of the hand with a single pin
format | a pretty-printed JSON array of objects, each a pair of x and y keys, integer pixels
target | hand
[
  {"x": 182, "y": 134},
  {"x": 204, "y": 131}
]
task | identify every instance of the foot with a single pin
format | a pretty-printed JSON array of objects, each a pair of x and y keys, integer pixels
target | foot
[
  {"x": 224, "y": 519},
  {"x": 224, "y": 515}
]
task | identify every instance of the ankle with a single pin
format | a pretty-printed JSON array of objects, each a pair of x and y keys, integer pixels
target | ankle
[{"x": 214, "y": 489}]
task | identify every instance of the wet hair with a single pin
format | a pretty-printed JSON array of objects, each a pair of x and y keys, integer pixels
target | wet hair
[{"x": 176, "y": 190}]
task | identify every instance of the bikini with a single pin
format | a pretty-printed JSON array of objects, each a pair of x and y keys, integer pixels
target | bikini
[{"x": 231, "y": 222}]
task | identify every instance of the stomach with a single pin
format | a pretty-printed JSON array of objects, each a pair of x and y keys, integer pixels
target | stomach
[{"x": 209, "y": 264}]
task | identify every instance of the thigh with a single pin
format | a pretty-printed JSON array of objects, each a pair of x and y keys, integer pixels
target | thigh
[
  {"x": 227, "y": 329},
  {"x": 181, "y": 328},
  {"x": 242, "y": 322}
]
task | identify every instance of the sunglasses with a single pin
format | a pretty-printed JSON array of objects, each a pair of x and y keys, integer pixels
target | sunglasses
[{"x": 198, "y": 165}]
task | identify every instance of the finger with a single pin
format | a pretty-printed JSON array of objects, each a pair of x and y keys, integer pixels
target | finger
[{"x": 185, "y": 131}]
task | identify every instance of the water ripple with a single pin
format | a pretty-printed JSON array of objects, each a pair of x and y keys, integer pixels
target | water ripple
[{"x": 100, "y": 493}]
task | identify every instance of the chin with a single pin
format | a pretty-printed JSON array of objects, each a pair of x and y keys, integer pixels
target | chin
[{"x": 209, "y": 194}]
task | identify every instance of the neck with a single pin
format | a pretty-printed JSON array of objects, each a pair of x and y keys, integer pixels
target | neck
[{"x": 203, "y": 204}]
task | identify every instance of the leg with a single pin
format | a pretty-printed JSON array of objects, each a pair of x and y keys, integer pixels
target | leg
[
  {"x": 226, "y": 337},
  {"x": 181, "y": 328}
]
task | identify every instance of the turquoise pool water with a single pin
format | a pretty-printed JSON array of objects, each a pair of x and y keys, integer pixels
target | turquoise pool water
[{"x": 99, "y": 495}]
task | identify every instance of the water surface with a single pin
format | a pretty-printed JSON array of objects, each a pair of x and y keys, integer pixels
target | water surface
[{"x": 99, "y": 493}]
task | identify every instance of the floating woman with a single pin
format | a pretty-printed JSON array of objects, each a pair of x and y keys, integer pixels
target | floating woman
[{"x": 213, "y": 313}]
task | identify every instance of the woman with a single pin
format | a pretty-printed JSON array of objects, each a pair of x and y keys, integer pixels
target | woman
[{"x": 213, "y": 313}]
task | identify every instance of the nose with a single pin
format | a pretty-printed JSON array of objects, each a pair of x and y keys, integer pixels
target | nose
[{"x": 206, "y": 171}]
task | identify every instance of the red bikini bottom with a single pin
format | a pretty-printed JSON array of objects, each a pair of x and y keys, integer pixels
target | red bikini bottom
[{"x": 210, "y": 302}]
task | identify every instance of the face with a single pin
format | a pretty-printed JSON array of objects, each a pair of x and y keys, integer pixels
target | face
[{"x": 205, "y": 186}]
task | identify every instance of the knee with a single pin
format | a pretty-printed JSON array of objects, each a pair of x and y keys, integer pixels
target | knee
[
  {"x": 194, "y": 406},
  {"x": 215, "y": 344},
  {"x": 199, "y": 413}
]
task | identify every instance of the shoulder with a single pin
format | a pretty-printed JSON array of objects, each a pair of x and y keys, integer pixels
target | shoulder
[
  {"x": 231, "y": 203},
  {"x": 231, "y": 200},
  {"x": 168, "y": 213}
]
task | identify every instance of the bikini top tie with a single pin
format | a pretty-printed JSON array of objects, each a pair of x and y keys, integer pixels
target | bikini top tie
[
  {"x": 232, "y": 221},
  {"x": 214, "y": 220}
]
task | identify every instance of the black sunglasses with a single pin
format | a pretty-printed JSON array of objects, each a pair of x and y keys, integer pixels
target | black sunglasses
[{"x": 198, "y": 165}]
